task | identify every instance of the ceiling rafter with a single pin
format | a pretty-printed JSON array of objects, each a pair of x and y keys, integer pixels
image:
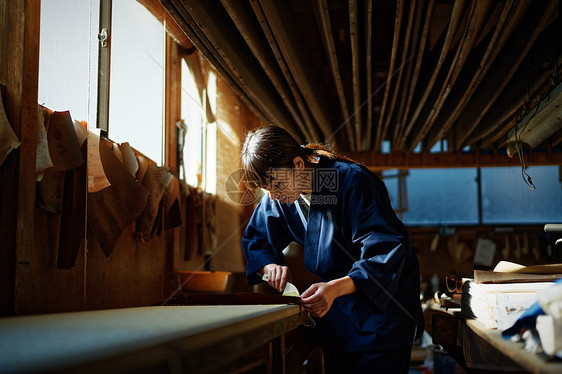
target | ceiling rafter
[
  {"x": 479, "y": 10},
  {"x": 412, "y": 72},
  {"x": 456, "y": 17},
  {"x": 303, "y": 110},
  {"x": 355, "y": 69},
  {"x": 407, "y": 55},
  {"x": 414, "y": 81},
  {"x": 369, "y": 72},
  {"x": 519, "y": 94},
  {"x": 408, "y": 71},
  {"x": 511, "y": 58},
  {"x": 294, "y": 53},
  {"x": 236, "y": 68},
  {"x": 506, "y": 24},
  {"x": 323, "y": 16},
  {"x": 258, "y": 45},
  {"x": 391, "y": 73}
]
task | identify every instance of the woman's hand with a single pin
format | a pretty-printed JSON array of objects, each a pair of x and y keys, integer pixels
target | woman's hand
[
  {"x": 319, "y": 297},
  {"x": 278, "y": 276}
]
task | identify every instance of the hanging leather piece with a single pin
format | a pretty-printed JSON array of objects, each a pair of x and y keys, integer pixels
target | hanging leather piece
[
  {"x": 112, "y": 209},
  {"x": 191, "y": 203},
  {"x": 57, "y": 191},
  {"x": 155, "y": 180},
  {"x": 73, "y": 217},
  {"x": 63, "y": 142},
  {"x": 171, "y": 203},
  {"x": 43, "y": 158}
]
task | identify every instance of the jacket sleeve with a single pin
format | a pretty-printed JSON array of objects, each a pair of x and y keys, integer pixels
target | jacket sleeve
[
  {"x": 376, "y": 234},
  {"x": 265, "y": 238}
]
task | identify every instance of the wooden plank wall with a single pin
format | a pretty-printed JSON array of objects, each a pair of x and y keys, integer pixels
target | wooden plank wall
[
  {"x": 19, "y": 62},
  {"x": 134, "y": 274}
]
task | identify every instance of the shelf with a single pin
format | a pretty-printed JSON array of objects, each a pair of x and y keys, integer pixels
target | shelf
[{"x": 197, "y": 338}]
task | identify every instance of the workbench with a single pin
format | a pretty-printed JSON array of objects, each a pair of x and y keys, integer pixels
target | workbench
[
  {"x": 474, "y": 346},
  {"x": 193, "y": 338}
]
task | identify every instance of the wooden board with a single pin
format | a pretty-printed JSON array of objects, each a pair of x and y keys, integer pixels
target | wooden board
[
  {"x": 202, "y": 337},
  {"x": 487, "y": 276}
]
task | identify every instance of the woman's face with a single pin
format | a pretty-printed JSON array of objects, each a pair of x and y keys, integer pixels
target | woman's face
[{"x": 285, "y": 185}]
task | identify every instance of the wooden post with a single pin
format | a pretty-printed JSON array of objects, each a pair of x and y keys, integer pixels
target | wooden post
[
  {"x": 278, "y": 355},
  {"x": 172, "y": 113},
  {"x": 19, "y": 71}
]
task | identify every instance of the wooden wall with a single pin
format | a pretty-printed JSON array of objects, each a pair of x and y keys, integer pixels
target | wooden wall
[{"x": 134, "y": 274}]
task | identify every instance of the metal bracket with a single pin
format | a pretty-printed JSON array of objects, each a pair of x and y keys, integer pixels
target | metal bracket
[{"x": 103, "y": 36}]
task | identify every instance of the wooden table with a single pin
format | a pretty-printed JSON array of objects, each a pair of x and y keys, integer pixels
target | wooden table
[
  {"x": 199, "y": 338},
  {"x": 474, "y": 346}
]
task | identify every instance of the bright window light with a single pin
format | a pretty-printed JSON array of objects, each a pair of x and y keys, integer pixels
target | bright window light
[
  {"x": 67, "y": 69},
  {"x": 192, "y": 114},
  {"x": 136, "y": 106}
]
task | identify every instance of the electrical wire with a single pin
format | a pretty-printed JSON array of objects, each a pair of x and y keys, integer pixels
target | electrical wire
[{"x": 519, "y": 149}]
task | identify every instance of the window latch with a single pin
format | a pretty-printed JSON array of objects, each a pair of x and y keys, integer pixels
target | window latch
[{"x": 102, "y": 37}]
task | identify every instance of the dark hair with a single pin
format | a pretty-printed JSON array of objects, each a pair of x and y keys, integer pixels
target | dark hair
[{"x": 273, "y": 147}]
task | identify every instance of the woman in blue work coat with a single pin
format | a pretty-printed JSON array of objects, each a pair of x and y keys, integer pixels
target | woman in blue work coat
[{"x": 366, "y": 306}]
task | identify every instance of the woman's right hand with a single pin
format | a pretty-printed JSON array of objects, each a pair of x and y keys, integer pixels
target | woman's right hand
[{"x": 278, "y": 276}]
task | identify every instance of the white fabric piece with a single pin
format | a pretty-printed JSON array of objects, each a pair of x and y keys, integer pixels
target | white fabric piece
[
  {"x": 96, "y": 176},
  {"x": 550, "y": 332},
  {"x": 550, "y": 326}
]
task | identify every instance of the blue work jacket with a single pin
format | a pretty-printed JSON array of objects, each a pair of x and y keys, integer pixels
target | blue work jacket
[{"x": 351, "y": 230}]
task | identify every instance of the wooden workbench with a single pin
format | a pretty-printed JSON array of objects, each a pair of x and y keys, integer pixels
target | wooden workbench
[
  {"x": 154, "y": 339},
  {"x": 474, "y": 346}
]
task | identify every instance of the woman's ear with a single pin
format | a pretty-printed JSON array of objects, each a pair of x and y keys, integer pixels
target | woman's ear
[{"x": 299, "y": 163}]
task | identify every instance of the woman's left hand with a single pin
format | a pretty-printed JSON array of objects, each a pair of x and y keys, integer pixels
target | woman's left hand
[{"x": 318, "y": 298}]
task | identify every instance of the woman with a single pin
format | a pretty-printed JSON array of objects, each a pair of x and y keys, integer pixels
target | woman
[{"x": 366, "y": 306}]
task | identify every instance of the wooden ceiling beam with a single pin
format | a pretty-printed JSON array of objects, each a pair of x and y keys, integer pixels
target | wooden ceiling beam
[
  {"x": 296, "y": 56},
  {"x": 252, "y": 34},
  {"x": 224, "y": 54},
  {"x": 407, "y": 54},
  {"x": 369, "y": 73},
  {"x": 415, "y": 50},
  {"x": 506, "y": 24},
  {"x": 391, "y": 73},
  {"x": 456, "y": 16},
  {"x": 425, "y": 160},
  {"x": 504, "y": 67},
  {"x": 322, "y": 13},
  {"x": 355, "y": 70},
  {"x": 284, "y": 69},
  {"x": 199, "y": 41},
  {"x": 413, "y": 81},
  {"x": 528, "y": 82},
  {"x": 476, "y": 22}
]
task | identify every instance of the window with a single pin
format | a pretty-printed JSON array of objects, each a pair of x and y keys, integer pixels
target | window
[
  {"x": 506, "y": 198},
  {"x": 136, "y": 97},
  {"x": 451, "y": 196},
  {"x": 192, "y": 114},
  {"x": 199, "y": 159},
  {"x": 210, "y": 176},
  {"x": 67, "y": 69},
  {"x": 442, "y": 196}
]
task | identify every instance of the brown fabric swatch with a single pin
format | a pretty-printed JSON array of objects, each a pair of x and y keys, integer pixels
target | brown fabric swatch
[
  {"x": 64, "y": 148},
  {"x": 113, "y": 209}
]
